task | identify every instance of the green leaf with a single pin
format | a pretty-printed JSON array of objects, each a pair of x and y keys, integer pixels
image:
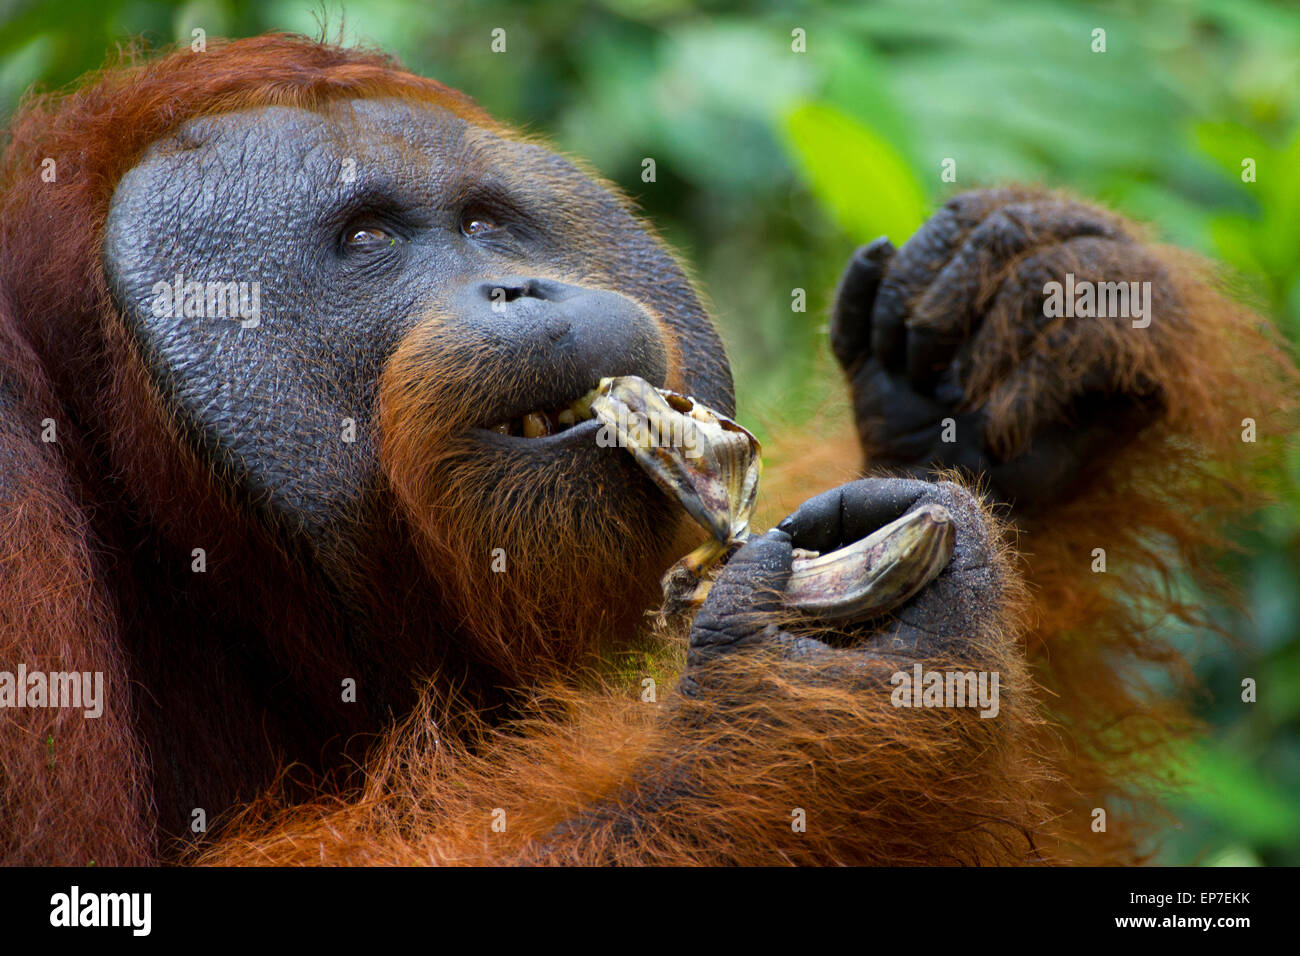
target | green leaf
[
  {"x": 1234, "y": 855},
  {"x": 1229, "y": 788},
  {"x": 856, "y": 174},
  {"x": 1229, "y": 143}
]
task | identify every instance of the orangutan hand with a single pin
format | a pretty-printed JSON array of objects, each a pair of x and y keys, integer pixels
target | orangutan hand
[
  {"x": 958, "y": 357},
  {"x": 744, "y": 610}
]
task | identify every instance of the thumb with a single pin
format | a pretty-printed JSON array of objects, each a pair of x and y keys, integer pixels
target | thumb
[{"x": 746, "y": 592}]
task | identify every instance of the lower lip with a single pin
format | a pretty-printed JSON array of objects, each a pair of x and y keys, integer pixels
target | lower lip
[{"x": 583, "y": 433}]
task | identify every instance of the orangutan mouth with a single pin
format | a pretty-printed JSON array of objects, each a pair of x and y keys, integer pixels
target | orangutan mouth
[{"x": 541, "y": 423}]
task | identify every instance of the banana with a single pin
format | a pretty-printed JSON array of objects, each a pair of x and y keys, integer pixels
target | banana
[
  {"x": 695, "y": 455},
  {"x": 877, "y": 573}
]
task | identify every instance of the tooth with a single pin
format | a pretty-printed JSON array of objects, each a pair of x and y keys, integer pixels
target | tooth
[
  {"x": 582, "y": 406},
  {"x": 535, "y": 425},
  {"x": 567, "y": 417}
]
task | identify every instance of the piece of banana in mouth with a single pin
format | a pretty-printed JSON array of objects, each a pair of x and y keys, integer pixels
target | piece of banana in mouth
[{"x": 711, "y": 465}]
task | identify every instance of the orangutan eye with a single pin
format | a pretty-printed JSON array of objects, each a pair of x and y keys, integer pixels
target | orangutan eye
[
  {"x": 371, "y": 236},
  {"x": 474, "y": 222}
]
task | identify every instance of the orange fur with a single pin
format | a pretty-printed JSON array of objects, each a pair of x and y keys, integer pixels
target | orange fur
[
  {"x": 1086, "y": 730},
  {"x": 589, "y": 773}
]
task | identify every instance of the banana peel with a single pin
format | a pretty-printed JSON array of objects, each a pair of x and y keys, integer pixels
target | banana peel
[{"x": 711, "y": 465}]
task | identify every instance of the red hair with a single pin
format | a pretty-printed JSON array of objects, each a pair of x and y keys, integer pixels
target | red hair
[{"x": 1081, "y": 734}]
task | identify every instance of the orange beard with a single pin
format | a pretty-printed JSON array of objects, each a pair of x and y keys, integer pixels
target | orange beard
[{"x": 543, "y": 561}]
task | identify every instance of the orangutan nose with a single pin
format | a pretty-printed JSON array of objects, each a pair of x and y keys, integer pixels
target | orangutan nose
[{"x": 555, "y": 327}]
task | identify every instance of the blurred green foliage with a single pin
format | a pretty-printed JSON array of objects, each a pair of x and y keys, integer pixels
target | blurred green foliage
[{"x": 773, "y": 164}]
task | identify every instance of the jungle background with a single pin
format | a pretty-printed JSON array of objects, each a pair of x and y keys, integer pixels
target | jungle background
[{"x": 772, "y": 165}]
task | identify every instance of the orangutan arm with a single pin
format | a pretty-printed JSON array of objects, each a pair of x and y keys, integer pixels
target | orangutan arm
[
  {"x": 1120, "y": 443},
  {"x": 788, "y": 743},
  {"x": 782, "y": 743}
]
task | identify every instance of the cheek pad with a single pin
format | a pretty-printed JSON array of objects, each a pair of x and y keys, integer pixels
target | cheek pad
[
  {"x": 214, "y": 257},
  {"x": 220, "y": 251}
]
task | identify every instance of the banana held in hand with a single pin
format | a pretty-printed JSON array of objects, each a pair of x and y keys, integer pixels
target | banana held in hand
[
  {"x": 877, "y": 573},
  {"x": 711, "y": 465}
]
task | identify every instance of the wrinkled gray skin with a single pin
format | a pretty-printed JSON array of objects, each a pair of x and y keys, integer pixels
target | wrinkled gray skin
[{"x": 262, "y": 196}]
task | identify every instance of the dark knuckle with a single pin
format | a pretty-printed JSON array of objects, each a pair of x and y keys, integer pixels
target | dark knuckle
[{"x": 710, "y": 634}]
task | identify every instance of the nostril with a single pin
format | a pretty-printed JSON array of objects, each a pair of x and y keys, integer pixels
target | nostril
[
  {"x": 512, "y": 288},
  {"x": 548, "y": 290},
  {"x": 504, "y": 291}
]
